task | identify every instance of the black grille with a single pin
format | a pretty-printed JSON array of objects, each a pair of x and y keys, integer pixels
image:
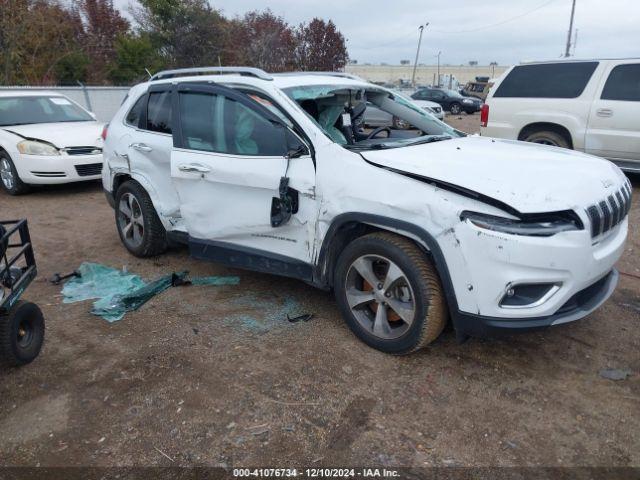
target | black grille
[
  {"x": 89, "y": 169},
  {"x": 83, "y": 150},
  {"x": 608, "y": 213}
]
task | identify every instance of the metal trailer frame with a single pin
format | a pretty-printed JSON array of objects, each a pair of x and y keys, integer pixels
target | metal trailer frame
[{"x": 21, "y": 249}]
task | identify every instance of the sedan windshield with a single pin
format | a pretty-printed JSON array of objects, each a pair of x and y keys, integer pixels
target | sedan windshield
[
  {"x": 39, "y": 109},
  {"x": 369, "y": 118}
]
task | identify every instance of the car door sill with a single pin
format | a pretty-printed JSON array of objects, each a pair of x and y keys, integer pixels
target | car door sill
[{"x": 249, "y": 259}]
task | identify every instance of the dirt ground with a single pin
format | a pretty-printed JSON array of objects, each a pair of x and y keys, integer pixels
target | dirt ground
[{"x": 206, "y": 376}]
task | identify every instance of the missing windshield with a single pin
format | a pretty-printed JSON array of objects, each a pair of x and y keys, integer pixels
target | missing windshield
[{"x": 367, "y": 118}]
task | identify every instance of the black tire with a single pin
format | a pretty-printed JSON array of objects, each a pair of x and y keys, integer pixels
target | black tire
[
  {"x": 17, "y": 186},
  {"x": 455, "y": 108},
  {"x": 153, "y": 238},
  {"x": 430, "y": 309},
  {"x": 21, "y": 334},
  {"x": 546, "y": 137}
]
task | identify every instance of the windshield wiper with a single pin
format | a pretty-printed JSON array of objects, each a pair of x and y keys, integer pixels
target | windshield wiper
[
  {"x": 15, "y": 124},
  {"x": 374, "y": 146},
  {"x": 431, "y": 139}
]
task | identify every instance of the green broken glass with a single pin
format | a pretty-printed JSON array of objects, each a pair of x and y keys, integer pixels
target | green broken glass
[{"x": 117, "y": 292}]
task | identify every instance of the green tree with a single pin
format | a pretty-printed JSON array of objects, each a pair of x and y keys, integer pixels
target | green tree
[
  {"x": 72, "y": 68},
  {"x": 134, "y": 55},
  {"x": 187, "y": 33}
]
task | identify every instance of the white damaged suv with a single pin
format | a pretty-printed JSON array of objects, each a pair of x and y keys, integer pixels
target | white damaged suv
[{"x": 410, "y": 228}]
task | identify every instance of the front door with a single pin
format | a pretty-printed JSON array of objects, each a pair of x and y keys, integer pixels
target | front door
[
  {"x": 230, "y": 154},
  {"x": 614, "y": 121}
]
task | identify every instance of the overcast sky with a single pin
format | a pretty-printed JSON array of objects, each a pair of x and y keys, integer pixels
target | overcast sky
[{"x": 506, "y": 31}]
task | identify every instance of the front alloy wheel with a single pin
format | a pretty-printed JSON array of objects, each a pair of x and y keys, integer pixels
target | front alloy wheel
[
  {"x": 389, "y": 293},
  {"x": 380, "y": 296},
  {"x": 6, "y": 174},
  {"x": 9, "y": 177}
]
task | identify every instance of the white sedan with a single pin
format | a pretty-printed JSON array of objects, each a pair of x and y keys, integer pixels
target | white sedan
[{"x": 46, "y": 138}]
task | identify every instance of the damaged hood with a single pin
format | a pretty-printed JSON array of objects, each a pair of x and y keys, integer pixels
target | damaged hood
[
  {"x": 527, "y": 177},
  {"x": 61, "y": 134}
]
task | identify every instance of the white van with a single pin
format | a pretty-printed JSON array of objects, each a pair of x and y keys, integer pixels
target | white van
[{"x": 588, "y": 105}]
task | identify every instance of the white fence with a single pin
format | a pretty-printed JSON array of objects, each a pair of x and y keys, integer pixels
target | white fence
[{"x": 102, "y": 101}]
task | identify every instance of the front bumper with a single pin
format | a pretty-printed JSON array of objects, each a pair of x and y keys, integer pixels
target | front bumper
[
  {"x": 579, "y": 306},
  {"x": 44, "y": 170},
  {"x": 485, "y": 265}
]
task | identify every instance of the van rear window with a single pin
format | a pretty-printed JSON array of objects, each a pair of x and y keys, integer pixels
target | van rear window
[{"x": 547, "y": 80}]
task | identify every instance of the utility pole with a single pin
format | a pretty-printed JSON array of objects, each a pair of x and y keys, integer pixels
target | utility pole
[
  {"x": 567, "y": 52},
  {"x": 438, "y": 68},
  {"x": 415, "y": 64}
]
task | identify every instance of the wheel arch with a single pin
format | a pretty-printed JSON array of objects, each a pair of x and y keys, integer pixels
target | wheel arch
[
  {"x": 347, "y": 227},
  {"x": 119, "y": 179},
  {"x": 122, "y": 177},
  {"x": 546, "y": 126}
]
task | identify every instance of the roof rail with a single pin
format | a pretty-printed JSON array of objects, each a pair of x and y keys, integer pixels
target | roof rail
[
  {"x": 324, "y": 74},
  {"x": 186, "y": 72}
]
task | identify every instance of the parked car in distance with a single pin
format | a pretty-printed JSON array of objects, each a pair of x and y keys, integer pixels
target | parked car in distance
[
  {"x": 271, "y": 173},
  {"x": 592, "y": 106},
  {"x": 449, "y": 100},
  {"x": 46, "y": 138}
]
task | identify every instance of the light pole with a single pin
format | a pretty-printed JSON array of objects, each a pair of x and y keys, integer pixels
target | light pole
[
  {"x": 567, "y": 52},
  {"x": 415, "y": 64},
  {"x": 438, "y": 69}
]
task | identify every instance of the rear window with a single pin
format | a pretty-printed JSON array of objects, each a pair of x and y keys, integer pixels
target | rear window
[
  {"x": 623, "y": 83},
  {"x": 159, "y": 112},
  {"x": 133, "y": 117},
  {"x": 547, "y": 80}
]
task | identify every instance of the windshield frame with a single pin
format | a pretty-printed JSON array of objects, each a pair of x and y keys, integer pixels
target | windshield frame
[{"x": 58, "y": 110}]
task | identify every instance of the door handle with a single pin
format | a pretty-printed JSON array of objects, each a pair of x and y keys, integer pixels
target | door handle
[
  {"x": 141, "y": 147},
  {"x": 194, "y": 167},
  {"x": 604, "y": 112}
]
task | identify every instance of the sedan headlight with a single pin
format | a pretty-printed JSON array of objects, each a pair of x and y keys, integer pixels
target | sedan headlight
[
  {"x": 33, "y": 147},
  {"x": 467, "y": 100},
  {"x": 538, "y": 225}
]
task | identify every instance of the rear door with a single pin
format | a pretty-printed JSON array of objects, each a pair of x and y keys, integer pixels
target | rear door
[
  {"x": 614, "y": 120},
  {"x": 229, "y": 156},
  {"x": 148, "y": 147}
]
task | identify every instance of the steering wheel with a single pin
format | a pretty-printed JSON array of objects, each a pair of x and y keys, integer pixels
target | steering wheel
[{"x": 379, "y": 130}]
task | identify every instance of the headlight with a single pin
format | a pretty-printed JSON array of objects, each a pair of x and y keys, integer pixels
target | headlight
[
  {"x": 467, "y": 100},
  {"x": 33, "y": 147},
  {"x": 538, "y": 225}
]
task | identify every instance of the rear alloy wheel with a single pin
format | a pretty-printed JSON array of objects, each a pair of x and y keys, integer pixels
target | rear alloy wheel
[
  {"x": 389, "y": 293},
  {"x": 138, "y": 224},
  {"x": 548, "y": 138},
  {"x": 455, "y": 108},
  {"x": 9, "y": 177}
]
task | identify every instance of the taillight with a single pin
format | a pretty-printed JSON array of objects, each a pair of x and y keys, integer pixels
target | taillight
[
  {"x": 104, "y": 132},
  {"x": 484, "y": 115}
]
